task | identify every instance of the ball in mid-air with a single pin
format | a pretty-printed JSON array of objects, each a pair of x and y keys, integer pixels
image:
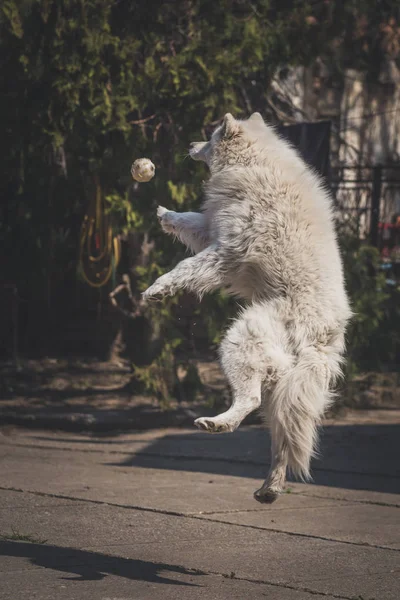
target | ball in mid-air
[{"x": 143, "y": 170}]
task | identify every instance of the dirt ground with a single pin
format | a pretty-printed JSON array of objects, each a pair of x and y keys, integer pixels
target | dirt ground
[
  {"x": 88, "y": 391},
  {"x": 93, "y": 393}
]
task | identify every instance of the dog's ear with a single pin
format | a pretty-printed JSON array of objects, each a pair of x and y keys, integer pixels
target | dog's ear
[
  {"x": 256, "y": 117},
  {"x": 230, "y": 126}
]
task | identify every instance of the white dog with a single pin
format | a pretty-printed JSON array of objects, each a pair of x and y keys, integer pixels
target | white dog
[{"x": 266, "y": 234}]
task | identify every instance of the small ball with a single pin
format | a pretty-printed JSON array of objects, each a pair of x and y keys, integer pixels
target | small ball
[{"x": 143, "y": 170}]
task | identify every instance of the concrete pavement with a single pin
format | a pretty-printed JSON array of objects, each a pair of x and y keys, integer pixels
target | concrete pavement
[{"x": 169, "y": 514}]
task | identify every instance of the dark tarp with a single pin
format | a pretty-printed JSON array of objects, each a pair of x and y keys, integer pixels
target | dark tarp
[{"x": 312, "y": 140}]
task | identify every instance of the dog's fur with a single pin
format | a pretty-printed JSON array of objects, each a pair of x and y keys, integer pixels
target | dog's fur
[{"x": 266, "y": 234}]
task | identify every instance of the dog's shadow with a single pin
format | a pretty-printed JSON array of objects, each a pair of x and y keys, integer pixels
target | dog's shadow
[
  {"x": 359, "y": 457},
  {"x": 93, "y": 566}
]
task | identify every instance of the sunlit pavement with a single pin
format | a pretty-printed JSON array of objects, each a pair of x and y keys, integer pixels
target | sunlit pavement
[{"x": 170, "y": 514}]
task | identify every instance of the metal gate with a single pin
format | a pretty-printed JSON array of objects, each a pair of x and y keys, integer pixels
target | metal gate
[{"x": 369, "y": 197}]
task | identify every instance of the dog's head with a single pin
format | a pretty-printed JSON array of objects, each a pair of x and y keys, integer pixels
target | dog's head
[{"x": 230, "y": 142}]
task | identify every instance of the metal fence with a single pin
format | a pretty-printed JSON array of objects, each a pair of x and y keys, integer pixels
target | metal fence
[{"x": 369, "y": 198}]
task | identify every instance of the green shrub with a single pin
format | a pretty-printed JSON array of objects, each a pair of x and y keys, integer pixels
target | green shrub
[{"x": 373, "y": 338}]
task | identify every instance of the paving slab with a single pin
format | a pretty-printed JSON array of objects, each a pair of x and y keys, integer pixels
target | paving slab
[
  {"x": 100, "y": 477},
  {"x": 158, "y": 482},
  {"x": 94, "y": 541},
  {"x": 348, "y": 522},
  {"x": 84, "y": 524},
  {"x": 315, "y": 565},
  {"x": 90, "y": 477},
  {"x": 354, "y": 449},
  {"x": 171, "y": 514},
  {"x": 50, "y": 583},
  {"x": 41, "y": 517}
]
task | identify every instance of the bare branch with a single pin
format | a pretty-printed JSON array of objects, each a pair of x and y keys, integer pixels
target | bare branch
[
  {"x": 156, "y": 130},
  {"x": 137, "y": 305},
  {"x": 142, "y": 121}
]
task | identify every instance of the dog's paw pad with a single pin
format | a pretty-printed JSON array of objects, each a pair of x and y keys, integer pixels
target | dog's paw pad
[
  {"x": 266, "y": 495},
  {"x": 166, "y": 219},
  {"x": 212, "y": 426},
  {"x": 161, "y": 211}
]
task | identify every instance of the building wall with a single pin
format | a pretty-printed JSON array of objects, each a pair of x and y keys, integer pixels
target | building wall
[
  {"x": 365, "y": 130},
  {"x": 365, "y": 115}
]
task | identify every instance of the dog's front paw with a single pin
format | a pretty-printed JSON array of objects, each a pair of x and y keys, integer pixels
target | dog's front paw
[
  {"x": 160, "y": 288},
  {"x": 166, "y": 218}
]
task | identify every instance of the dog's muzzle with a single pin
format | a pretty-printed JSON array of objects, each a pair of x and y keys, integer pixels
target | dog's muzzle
[{"x": 197, "y": 150}]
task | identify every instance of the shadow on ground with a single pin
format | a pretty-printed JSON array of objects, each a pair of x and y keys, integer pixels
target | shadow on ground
[
  {"x": 361, "y": 457},
  {"x": 92, "y": 566}
]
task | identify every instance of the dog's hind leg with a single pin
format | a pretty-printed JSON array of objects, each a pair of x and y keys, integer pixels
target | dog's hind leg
[
  {"x": 275, "y": 481},
  {"x": 246, "y": 398},
  {"x": 252, "y": 356},
  {"x": 297, "y": 403}
]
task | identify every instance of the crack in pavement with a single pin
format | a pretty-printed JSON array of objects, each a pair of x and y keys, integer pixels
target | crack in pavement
[
  {"x": 353, "y": 501},
  {"x": 233, "y": 511},
  {"x": 287, "y": 586},
  {"x": 198, "y": 517},
  {"x": 180, "y": 457},
  {"x": 303, "y": 535}
]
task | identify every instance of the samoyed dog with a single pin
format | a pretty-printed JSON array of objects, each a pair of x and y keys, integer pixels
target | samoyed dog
[{"x": 266, "y": 234}]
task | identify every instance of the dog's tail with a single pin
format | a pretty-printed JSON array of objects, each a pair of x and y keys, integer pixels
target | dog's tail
[{"x": 298, "y": 402}]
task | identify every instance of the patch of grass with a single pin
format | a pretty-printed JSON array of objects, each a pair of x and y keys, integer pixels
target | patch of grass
[{"x": 17, "y": 536}]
